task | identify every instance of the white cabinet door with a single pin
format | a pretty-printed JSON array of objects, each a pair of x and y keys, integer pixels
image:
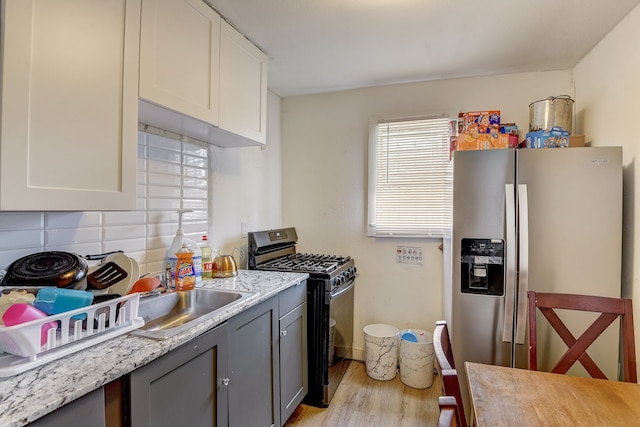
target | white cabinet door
[
  {"x": 243, "y": 86},
  {"x": 68, "y": 136},
  {"x": 179, "y": 57}
]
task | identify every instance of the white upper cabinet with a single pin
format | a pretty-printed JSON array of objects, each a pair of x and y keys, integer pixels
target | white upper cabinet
[
  {"x": 179, "y": 57},
  {"x": 243, "y": 86},
  {"x": 199, "y": 77},
  {"x": 68, "y": 138}
]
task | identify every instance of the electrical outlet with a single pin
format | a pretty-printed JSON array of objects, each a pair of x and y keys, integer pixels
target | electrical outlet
[{"x": 409, "y": 255}]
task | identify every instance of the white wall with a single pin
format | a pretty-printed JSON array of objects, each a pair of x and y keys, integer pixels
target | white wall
[
  {"x": 608, "y": 104},
  {"x": 324, "y": 182},
  {"x": 246, "y": 187}
]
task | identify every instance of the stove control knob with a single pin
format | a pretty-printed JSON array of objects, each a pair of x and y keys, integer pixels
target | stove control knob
[{"x": 349, "y": 273}]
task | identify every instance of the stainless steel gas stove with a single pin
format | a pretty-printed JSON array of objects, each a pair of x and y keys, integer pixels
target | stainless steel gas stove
[{"x": 330, "y": 290}]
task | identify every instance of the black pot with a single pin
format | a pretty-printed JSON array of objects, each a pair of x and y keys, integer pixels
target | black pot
[{"x": 53, "y": 268}]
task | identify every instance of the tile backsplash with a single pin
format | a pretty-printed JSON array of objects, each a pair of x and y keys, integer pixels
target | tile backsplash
[{"x": 173, "y": 173}]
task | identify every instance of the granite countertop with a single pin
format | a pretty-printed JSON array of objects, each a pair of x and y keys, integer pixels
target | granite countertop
[{"x": 36, "y": 392}]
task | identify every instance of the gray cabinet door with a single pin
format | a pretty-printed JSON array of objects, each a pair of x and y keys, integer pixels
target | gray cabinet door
[
  {"x": 185, "y": 387},
  {"x": 88, "y": 410},
  {"x": 254, "y": 367},
  {"x": 293, "y": 360}
]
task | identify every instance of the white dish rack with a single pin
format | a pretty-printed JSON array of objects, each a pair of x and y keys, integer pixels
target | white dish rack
[{"x": 22, "y": 344}]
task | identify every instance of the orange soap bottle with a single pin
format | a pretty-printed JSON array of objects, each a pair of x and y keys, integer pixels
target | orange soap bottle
[{"x": 185, "y": 274}]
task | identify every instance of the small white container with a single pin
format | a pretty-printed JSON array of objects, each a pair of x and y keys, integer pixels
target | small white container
[
  {"x": 416, "y": 358},
  {"x": 381, "y": 348}
]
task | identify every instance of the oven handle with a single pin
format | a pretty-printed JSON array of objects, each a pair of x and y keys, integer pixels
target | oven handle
[{"x": 342, "y": 289}]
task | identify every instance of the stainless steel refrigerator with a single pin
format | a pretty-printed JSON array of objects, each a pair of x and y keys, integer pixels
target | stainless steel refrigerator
[{"x": 548, "y": 220}]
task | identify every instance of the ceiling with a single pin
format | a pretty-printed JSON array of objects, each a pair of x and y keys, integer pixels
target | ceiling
[{"x": 319, "y": 46}]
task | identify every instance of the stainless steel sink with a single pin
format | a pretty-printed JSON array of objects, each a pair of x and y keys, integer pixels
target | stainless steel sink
[{"x": 169, "y": 314}]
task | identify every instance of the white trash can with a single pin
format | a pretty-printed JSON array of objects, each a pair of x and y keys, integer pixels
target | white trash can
[
  {"x": 381, "y": 348},
  {"x": 416, "y": 358}
]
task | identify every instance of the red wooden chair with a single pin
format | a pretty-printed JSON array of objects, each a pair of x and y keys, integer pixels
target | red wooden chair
[
  {"x": 446, "y": 367},
  {"x": 448, "y": 412},
  {"x": 442, "y": 346},
  {"x": 610, "y": 309}
]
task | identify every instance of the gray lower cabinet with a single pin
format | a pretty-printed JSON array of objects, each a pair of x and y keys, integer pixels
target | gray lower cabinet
[
  {"x": 268, "y": 360},
  {"x": 185, "y": 387},
  {"x": 249, "y": 371},
  {"x": 254, "y": 366},
  {"x": 293, "y": 349},
  {"x": 88, "y": 409}
]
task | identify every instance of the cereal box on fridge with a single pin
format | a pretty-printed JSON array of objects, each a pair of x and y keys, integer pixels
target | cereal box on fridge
[
  {"x": 555, "y": 138},
  {"x": 481, "y": 121},
  {"x": 482, "y": 141}
]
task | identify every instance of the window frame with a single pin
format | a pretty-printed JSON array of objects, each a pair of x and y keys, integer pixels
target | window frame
[{"x": 372, "y": 174}]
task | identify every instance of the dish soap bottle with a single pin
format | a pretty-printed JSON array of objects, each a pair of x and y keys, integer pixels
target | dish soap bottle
[
  {"x": 176, "y": 245},
  {"x": 197, "y": 258},
  {"x": 185, "y": 274},
  {"x": 207, "y": 260}
]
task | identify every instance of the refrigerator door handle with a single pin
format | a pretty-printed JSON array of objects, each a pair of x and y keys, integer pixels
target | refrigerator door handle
[
  {"x": 511, "y": 244},
  {"x": 523, "y": 277}
]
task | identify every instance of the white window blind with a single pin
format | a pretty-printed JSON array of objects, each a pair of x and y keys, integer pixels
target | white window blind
[{"x": 410, "y": 178}]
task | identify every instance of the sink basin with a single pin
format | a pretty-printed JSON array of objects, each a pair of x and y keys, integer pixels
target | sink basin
[{"x": 169, "y": 314}]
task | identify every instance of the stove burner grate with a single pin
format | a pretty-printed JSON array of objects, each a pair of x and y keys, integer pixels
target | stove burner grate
[{"x": 306, "y": 262}]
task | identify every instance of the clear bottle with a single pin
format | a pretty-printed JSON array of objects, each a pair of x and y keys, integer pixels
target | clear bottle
[
  {"x": 175, "y": 247},
  {"x": 207, "y": 259}
]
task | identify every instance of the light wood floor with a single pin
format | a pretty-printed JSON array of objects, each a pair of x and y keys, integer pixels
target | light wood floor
[{"x": 361, "y": 401}]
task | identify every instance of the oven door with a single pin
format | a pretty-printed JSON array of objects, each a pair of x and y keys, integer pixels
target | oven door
[{"x": 340, "y": 336}]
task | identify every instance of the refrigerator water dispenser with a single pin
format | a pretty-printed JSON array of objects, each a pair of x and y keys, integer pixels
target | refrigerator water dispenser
[{"x": 482, "y": 266}]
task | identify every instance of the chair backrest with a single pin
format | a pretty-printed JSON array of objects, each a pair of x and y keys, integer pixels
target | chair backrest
[
  {"x": 446, "y": 367},
  {"x": 610, "y": 309},
  {"x": 448, "y": 412},
  {"x": 442, "y": 346}
]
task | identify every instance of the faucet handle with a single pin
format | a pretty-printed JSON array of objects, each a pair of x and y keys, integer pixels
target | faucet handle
[{"x": 166, "y": 282}]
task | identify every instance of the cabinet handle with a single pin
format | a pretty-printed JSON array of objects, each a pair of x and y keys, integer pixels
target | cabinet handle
[
  {"x": 225, "y": 381},
  {"x": 283, "y": 333}
]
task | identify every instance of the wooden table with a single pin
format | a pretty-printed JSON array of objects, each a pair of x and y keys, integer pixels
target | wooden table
[{"x": 518, "y": 397}]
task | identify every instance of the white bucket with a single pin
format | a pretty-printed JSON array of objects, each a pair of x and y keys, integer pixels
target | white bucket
[
  {"x": 381, "y": 348},
  {"x": 416, "y": 358}
]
